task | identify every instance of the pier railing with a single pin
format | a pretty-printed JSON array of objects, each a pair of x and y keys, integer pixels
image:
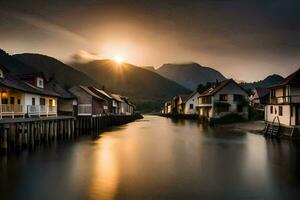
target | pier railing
[
  {"x": 41, "y": 110},
  {"x": 11, "y": 110}
]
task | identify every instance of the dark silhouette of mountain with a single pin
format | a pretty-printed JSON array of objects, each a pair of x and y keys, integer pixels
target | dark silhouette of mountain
[
  {"x": 267, "y": 82},
  {"x": 189, "y": 75},
  {"x": 136, "y": 82},
  {"x": 65, "y": 75},
  {"x": 14, "y": 65}
]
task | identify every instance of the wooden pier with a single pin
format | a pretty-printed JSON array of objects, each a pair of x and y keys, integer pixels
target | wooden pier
[{"x": 19, "y": 133}]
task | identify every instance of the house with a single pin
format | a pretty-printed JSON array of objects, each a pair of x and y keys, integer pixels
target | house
[
  {"x": 259, "y": 97},
  {"x": 108, "y": 104},
  {"x": 178, "y": 104},
  {"x": 66, "y": 101},
  {"x": 167, "y": 107},
  {"x": 26, "y": 95},
  {"x": 122, "y": 105},
  {"x": 88, "y": 102},
  {"x": 118, "y": 104},
  {"x": 223, "y": 98},
  {"x": 191, "y": 103},
  {"x": 128, "y": 107},
  {"x": 284, "y": 106}
]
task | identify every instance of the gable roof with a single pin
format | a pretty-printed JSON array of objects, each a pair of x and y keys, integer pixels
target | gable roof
[
  {"x": 261, "y": 92},
  {"x": 117, "y": 97},
  {"x": 59, "y": 90},
  {"x": 13, "y": 82},
  {"x": 218, "y": 86},
  {"x": 292, "y": 79},
  {"x": 191, "y": 95},
  {"x": 102, "y": 92},
  {"x": 88, "y": 91}
]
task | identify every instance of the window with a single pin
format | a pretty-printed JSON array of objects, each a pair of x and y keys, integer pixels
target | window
[
  {"x": 271, "y": 110},
  {"x": 238, "y": 97},
  {"x": 223, "y": 97},
  {"x": 42, "y": 101},
  {"x": 280, "y": 111},
  {"x": 292, "y": 111},
  {"x": 191, "y": 106},
  {"x": 40, "y": 82},
  {"x": 19, "y": 101},
  {"x": 33, "y": 101},
  {"x": 12, "y": 100}
]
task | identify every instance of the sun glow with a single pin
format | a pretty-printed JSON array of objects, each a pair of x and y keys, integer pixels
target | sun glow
[{"x": 118, "y": 59}]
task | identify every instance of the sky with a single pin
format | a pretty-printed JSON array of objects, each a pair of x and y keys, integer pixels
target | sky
[{"x": 244, "y": 40}]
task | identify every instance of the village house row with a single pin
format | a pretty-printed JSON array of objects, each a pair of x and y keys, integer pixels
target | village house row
[
  {"x": 31, "y": 95},
  {"x": 280, "y": 103}
]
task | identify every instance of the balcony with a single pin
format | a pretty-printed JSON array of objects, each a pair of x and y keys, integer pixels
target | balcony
[
  {"x": 41, "y": 110},
  {"x": 285, "y": 99},
  {"x": 85, "y": 109},
  {"x": 8, "y": 110}
]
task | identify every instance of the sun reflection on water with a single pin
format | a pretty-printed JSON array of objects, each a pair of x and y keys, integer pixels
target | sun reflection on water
[{"x": 105, "y": 175}]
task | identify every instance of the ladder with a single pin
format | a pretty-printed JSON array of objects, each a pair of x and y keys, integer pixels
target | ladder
[{"x": 273, "y": 129}]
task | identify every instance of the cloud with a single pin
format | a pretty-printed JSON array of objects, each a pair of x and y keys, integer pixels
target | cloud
[
  {"x": 46, "y": 25},
  {"x": 83, "y": 56}
]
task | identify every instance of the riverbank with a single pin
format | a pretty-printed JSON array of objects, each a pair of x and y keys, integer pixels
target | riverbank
[{"x": 255, "y": 127}]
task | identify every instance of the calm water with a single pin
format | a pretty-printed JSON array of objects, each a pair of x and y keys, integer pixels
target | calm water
[{"x": 156, "y": 158}]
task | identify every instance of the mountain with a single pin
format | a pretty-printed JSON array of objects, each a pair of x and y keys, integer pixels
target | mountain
[
  {"x": 147, "y": 89},
  {"x": 189, "y": 75},
  {"x": 150, "y": 68},
  {"x": 65, "y": 75},
  {"x": 267, "y": 82},
  {"x": 14, "y": 65},
  {"x": 136, "y": 82}
]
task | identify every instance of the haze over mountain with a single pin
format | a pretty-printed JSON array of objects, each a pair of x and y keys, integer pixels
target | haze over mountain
[
  {"x": 267, "y": 82},
  {"x": 189, "y": 75}
]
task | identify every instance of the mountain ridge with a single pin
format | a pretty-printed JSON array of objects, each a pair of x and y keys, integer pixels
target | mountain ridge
[{"x": 190, "y": 74}]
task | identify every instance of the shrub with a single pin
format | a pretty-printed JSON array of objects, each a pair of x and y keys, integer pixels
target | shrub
[
  {"x": 256, "y": 114},
  {"x": 227, "y": 119}
]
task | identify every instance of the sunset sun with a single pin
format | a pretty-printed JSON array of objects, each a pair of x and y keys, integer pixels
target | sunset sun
[{"x": 118, "y": 59}]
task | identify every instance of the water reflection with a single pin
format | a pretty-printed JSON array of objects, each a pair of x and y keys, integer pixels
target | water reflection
[
  {"x": 157, "y": 158},
  {"x": 104, "y": 177}
]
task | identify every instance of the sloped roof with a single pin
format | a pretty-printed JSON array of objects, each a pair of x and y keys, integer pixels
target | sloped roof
[
  {"x": 59, "y": 90},
  {"x": 87, "y": 90},
  {"x": 261, "y": 92},
  {"x": 293, "y": 79},
  {"x": 190, "y": 96},
  {"x": 218, "y": 86},
  {"x": 15, "y": 83},
  {"x": 117, "y": 97},
  {"x": 102, "y": 92}
]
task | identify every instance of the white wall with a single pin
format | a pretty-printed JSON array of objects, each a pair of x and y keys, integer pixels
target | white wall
[
  {"x": 194, "y": 101},
  {"x": 231, "y": 89},
  {"x": 286, "y": 113}
]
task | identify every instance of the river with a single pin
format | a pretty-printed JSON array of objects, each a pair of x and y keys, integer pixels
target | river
[{"x": 156, "y": 158}]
